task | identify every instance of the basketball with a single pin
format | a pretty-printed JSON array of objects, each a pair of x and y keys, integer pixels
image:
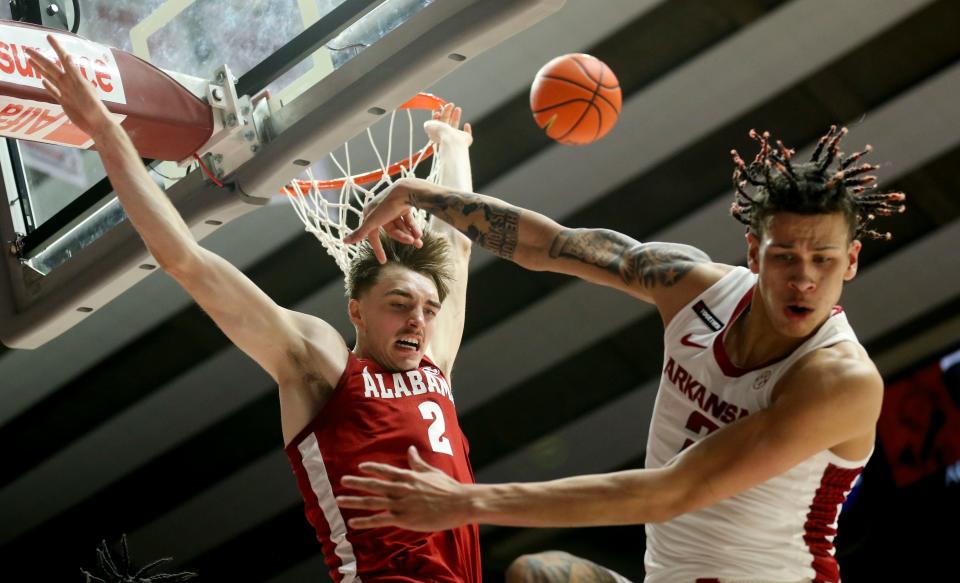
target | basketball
[{"x": 576, "y": 99}]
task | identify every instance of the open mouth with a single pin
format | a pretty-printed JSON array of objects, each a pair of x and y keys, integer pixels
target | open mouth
[
  {"x": 408, "y": 344},
  {"x": 796, "y": 311}
]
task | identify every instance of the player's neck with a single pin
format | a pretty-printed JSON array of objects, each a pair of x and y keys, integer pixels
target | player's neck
[
  {"x": 753, "y": 341},
  {"x": 362, "y": 351}
]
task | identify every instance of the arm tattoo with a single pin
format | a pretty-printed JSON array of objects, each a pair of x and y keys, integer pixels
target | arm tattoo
[
  {"x": 492, "y": 226},
  {"x": 649, "y": 264}
]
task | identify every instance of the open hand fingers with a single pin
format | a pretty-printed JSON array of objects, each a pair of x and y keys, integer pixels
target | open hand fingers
[
  {"x": 449, "y": 114},
  {"x": 51, "y": 89},
  {"x": 445, "y": 112},
  {"x": 361, "y": 232},
  {"x": 383, "y": 488},
  {"x": 377, "y": 245},
  {"x": 406, "y": 224},
  {"x": 375, "y": 521},
  {"x": 55, "y": 74},
  {"x": 397, "y": 231},
  {"x": 416, "y": 462},
  {"x": 402, "y": 227},
  {"x": 411, "y": 226},
  {"x": 58, "y": 48},
  {"x": 455, "y": 117},
  {"x": 370, "y": 223},
  {"x": 47, "y": 67},
  {"x": 66, "y": 65},
  {"x": 364, "y": 502},
  {"x": 384, "y": 471}
]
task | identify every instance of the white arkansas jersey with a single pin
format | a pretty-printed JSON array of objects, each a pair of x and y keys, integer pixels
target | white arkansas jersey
[{"x": 780, "y": 530}]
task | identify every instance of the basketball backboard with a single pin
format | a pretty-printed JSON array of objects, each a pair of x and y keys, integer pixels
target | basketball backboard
[{"x": 331, "y": 69}]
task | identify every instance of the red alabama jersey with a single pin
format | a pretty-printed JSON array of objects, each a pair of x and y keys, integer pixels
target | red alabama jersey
[{"x": 374, "y": 415}]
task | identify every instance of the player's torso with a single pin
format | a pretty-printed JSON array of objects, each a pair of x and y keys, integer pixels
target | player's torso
[
  {"x": 374, "y": 415},
  {"x": 701, "y": 391},
  {"x": 381, "y": 414}
]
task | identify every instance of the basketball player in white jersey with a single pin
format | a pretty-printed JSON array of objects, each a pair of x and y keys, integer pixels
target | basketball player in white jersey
[
  {"x": 767, "y": 403},
  {"x": 337, "y": 405}
]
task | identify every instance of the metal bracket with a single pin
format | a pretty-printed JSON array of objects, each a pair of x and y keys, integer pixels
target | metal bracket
[
  {"x": 238, "y": 126},
  {"x": 43, "y": 12},
  {"x": 16, "y": 246}
]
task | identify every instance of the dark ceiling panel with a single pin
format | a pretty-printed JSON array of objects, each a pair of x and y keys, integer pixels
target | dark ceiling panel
[
  {"x": 134, "y": 372},
  {"x": 172, "y": 478},
  {"x": 690, "y": 179},
  {"x": 640, "y": 53}
]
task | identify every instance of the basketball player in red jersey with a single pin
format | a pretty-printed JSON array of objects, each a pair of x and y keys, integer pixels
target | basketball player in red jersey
[
  {"x": 338, "y": 406},
  {"x": 767, "y": 404}
]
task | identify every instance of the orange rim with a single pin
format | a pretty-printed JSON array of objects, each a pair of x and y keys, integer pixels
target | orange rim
[{"x": 419, "y": 101}]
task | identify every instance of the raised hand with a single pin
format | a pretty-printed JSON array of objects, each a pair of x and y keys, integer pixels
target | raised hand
[
  {"x": 74, "y": 93},
  {"x": 392, "y": 209},
  {"x": 445, "y": 126},
  {"x": 421, "y": 498}
]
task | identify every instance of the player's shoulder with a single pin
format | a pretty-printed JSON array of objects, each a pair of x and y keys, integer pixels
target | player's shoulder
[
  {"x": 847, "y": 360},
  {"x": 701, "y": 276},
  {"x": 313, "y": 328},
  {"x": 842, "y": 371},
  {"x": 705, "y": 275},
  {"x": 710, "y": 272},
  {"x": 321, "y": 349}
]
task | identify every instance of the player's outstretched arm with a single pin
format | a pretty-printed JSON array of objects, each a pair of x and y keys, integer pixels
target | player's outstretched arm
[
  {"x": 658, "y": 273},
  {"x": 273, "y": 336},
  {"x": 830, "y": 402},
  {"x": 455, "y": 173}
]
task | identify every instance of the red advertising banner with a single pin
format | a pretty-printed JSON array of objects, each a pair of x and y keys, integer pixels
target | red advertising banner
[{"x": 919, "y": 425}]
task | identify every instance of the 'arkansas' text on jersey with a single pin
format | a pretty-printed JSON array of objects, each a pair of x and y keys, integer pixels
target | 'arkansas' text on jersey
[{"x": 709, "y": 402}]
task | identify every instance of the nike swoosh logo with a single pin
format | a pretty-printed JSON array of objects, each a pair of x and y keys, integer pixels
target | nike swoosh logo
[{"x": 687, "y": 342}]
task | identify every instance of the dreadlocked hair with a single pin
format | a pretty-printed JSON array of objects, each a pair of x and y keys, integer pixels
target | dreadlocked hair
[
  {"x": 830, "y": 182},
  {"x": 125, "y": 572}
]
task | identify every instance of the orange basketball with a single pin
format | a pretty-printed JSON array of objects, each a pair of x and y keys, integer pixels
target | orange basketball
[{"x": 576, "y": 98}]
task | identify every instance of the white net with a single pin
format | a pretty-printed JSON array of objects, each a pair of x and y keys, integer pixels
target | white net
[{"x": 332, "y": 209}]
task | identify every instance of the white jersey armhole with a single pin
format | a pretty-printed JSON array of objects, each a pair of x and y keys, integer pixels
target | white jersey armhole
[{"x": 719, "y": 287}]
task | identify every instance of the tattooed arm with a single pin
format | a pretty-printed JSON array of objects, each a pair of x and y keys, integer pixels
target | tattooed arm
[
  {"x": 611, "y": 258},
  {"x": 665, "y": 274}
]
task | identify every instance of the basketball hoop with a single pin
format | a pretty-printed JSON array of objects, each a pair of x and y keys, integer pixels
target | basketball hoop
[{"x": 332, "y": 209}]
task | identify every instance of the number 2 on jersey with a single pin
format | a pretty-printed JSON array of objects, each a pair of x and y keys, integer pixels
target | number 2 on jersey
[
  {"x": 696, "y": 423},
  {"x": 438, "y": 442}
]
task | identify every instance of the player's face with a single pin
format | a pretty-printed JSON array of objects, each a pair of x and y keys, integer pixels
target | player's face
[
  {"x": 803, "y": 261},
  {"x": 395, "y": 318}
]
